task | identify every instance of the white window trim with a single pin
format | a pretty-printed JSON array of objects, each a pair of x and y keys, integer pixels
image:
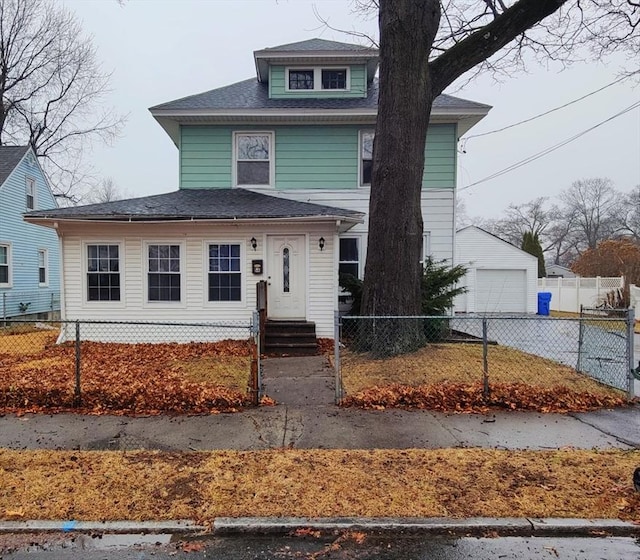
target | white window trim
[
  {"x": 145, "y": 267},
  {"x": 317, "y": 78},
  {"x": 45, "y": 252},
  {"x": 272, "y": 157},
  {"x": 31, "y": 182},
  {"x": 360, "y": 133},
  {"x": 358, "y": 239},
  {"x": 88, "y": 304},
  {"x": 244, "y": 273},
  {"x": 426, "y": 247},
  {"x": 9, "y": 283}
]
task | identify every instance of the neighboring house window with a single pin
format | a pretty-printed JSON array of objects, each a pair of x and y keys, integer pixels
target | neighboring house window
[
  {"x": 253, "y": 158},
  {"x": 5, "y": 256},
  {"x": 43, "y": 276},
  {"x": 103, "y": 273},
  {"x": 224, "y": 272},
  {"x": 301, "y": 79},
  {"x": 366, "y": 156},
  {"x": 31, "y": 193},
  {"x": 425, "y": 252},
  {"x": 334, "y": 79},
  {"x": 349, "y": 262},
  {"x": 163, "y": 275}
]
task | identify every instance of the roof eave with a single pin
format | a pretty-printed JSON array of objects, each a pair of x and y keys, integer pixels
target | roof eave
[
  {"x": 264, "y": 58},
  {"x": 52, "y": 221},
  {"x": 171, "y": 119}
]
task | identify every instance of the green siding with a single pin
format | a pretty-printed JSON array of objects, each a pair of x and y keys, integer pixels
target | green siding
[
  {"x": 306, "y": 157},
  {"x": 440, "y": 157},
  {"x": 277, "y": 86}
]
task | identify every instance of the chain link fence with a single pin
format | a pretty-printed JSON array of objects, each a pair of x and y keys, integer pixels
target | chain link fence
[
  {"x": 589, "y": 353},
  {"x": 128, "y": 367}
]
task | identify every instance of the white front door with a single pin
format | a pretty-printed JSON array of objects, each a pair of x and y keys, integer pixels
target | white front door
[{"x": 287, "y": 276}]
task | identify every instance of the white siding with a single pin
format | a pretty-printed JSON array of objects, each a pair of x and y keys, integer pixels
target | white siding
[
  {"x": 437, "y": 213},
  {"x": 193, "y": 237},
  {"x": 492, "y": 264}
]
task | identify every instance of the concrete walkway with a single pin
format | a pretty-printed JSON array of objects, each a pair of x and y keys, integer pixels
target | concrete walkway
[{"x": 306, "y": 418}]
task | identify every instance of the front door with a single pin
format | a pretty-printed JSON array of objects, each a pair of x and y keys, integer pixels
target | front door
[{"x": 287, "y": 278}]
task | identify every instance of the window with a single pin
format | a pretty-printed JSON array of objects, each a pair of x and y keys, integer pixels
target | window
[
  {"x": 31, "y": 193},
  {"x": 103, "y": 273},
  {"x": 5, "y": 256},
  {"x": 224, "y": 272},
  {"x": 349, "y": 262},
  {"x": 366, "y": 156},
  {"x": 253, "y": 158},
  {"x": 163, "y": 273},
  {"x": 317, "y": 79},
  {"x": 334, "y": 79},
  {"x": 43, "y": 277},
  {"x": 301, "y": 79},
  {"x": 425, "y": 252}
]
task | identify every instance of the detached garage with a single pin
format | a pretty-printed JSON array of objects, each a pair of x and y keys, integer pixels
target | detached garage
[{"x": 501, "y": 278}]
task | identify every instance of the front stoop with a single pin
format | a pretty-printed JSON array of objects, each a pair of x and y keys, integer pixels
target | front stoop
[{"x": 290, "y": 338}]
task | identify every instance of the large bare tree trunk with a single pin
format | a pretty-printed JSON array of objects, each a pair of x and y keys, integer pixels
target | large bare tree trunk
[{"x": 392, "y": 272}]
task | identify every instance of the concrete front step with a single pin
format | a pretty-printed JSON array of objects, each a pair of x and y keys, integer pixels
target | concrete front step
[{"x": 296, "y": 338}]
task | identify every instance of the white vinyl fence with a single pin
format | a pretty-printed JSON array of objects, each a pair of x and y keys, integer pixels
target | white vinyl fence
[
  {"x": 568, "y": 294},
  {"x": 634, "y": 292}
]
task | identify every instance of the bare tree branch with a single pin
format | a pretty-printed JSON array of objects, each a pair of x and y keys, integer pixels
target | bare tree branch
[{"x": 51, "y": 87}]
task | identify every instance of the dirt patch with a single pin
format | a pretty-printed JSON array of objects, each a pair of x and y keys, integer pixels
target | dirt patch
[{"x": 406, "y": 483}]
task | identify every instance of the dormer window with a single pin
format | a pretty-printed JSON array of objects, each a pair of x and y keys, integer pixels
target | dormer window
[
  {"x": 317, "y": 79},
  {"x": 334, "y": 79},
  {"x": 301, "y": 79}
]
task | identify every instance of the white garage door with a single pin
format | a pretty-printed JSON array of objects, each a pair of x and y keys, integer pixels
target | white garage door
[{"x": 501, "y": 291}]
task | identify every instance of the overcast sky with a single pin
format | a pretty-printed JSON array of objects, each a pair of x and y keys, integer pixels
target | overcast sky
[{"x": 163, "y": 50}]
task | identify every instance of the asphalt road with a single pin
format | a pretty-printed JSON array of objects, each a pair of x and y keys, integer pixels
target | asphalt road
[{"x": 388, "y": 547}]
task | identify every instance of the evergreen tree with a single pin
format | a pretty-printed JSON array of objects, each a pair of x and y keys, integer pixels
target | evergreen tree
[{"x": 531, "y": 244}]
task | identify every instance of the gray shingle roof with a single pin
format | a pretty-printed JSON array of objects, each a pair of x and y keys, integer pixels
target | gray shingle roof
[
  {"x": 317, "y": 44},
  {"x": 251, "y": 95},
  {"x": 10, "y": 156},
  {"x": 211, "y": 204}
]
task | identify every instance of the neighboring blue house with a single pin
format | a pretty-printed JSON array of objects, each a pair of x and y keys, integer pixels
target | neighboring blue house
[
  {"x": 29, "y": 254},
  {"x": 275, "y": 175}
]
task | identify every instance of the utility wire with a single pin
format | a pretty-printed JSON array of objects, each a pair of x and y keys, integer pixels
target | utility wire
[
  {"x": 550, "y": 149},
  {"x": 549, "y": 111}
]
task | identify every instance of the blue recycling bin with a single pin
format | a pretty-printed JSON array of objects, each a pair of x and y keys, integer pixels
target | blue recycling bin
[{"x": 544, "y": 303}]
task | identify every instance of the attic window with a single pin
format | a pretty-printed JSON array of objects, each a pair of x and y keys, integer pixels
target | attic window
[
  {"x": 334, "y": 79},
  {"x": 301, "y": 79},
  {"x": 31, "y": 193},
  {"x": 317, "y": 79}
]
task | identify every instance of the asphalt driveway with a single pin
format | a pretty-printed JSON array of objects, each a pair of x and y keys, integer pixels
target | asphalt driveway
[{"x": 603, "y": 354}]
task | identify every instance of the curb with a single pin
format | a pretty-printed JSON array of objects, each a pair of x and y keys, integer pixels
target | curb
[
  {"x": 477, "y": 526},
  {"x": 180, "y": 526}
]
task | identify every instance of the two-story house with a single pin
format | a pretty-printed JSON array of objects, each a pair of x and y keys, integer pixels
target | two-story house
[
  {"x": 29, "y": 254},
  {"x": 275, "y": 176}
]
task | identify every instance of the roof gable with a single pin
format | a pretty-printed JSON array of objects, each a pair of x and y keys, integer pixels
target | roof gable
[
  {"x": 492, "y": 240},
  {"x": 10, "y": 157}
]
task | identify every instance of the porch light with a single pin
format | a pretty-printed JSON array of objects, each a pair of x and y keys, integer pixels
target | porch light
[
  {"x": 321, "y": 243},
  {"x": 254, "y": 243}
]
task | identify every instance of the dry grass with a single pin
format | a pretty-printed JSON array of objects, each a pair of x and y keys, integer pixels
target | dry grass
[
  {"x": 26, "y": 342},
  {"x": 433, "y": 483},
  {"x": 461, "y": 363},
  {"x": 36, "y": 375}
]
